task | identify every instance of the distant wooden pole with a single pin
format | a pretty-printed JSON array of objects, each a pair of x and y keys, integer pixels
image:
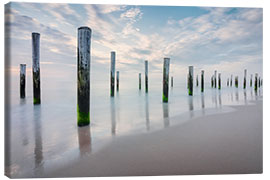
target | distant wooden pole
[
  {"x": 146, "y": 76},
  {"x": 215, "y": 79},
  {"x": 197, "y": 80},
  {"x": 190, "y": 81},
  {"x": 228, "y": 82},
  {"x": 245, "y": 79},
  {"x": 259, "y": 82},
  {"x": 140, "y": 81},
  {"x": 83, "y": 92},
  {"x": 256, "y": 82},
  {"x": 231, "y": 80},
  {"x": 219, "y": 80},
  {"x": 22, "y": 80},
  {"x": 112, "y": 72},
  {"x": 117, "y": 80},
  {"x": 236, "y": 81},
  {"x": 36, "y": 67},
  {"x": 250, "y": 80},
  {"x": 171, "y": 81},
  {"x": 202, "y": 81},
  {"x": 166, "y": 69},
  {"x": 212, "y": 81}
]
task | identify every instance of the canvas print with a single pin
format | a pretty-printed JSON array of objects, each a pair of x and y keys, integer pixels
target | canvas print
[{"x": 130, "y": 90}]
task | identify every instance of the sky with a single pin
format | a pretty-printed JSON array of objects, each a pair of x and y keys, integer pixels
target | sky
[{"x": 228, "y": 40}]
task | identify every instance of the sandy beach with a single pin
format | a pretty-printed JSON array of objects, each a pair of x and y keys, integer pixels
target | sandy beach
[{"x": 212, "y": 144}]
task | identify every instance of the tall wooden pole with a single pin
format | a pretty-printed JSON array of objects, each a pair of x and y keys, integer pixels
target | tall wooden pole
[
  {"x": 112, "y": 72},
  {"x": 245, "y": 79},
  {"x": 166, "y": 69},
  {"x": 146, "y": 76},
  {"x": 215, "y": 79},
  {"x": 256, "y": 82},
  {"x": 236, "y": 81},
  {"x": 36, "y": 66},
  {"x": 219, "y": 80},
  {"x": 117, "y": 80},
  {"x": 83, "y": 84},
  {"x": 22, "y": 80},
  {"x": 190, "y": 81},
  {"x": 202, "y": 81},
  {"x": 140, "y": 81},
  {"x": 250, "y": 80},
  {"x": 231, "y": 80}
]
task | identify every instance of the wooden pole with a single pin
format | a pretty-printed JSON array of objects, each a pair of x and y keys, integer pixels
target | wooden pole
[
  {"x": 250, "y": 80},
  {"x": 228, "y": 82},
  {"x": 117, "y": 80},
  {"x": 140, "y": 81},
  {"x": 146, "y": 76},
  {"x": 231, "y": 80},
  {"x": 36, "y": 66},
  {"x": 219, "y": 80},
  {"x": 171, "y": 81},
  {"x": 256, "y": 82},
  {"x": 236, "y": 81},
  {"x": 202, "y": 81},
  {"x": 22, "y": 80},
  {"x": 83, "y": 92},
  {"x": 197, "y": 80},
  {"x": 215, "y": 79},
  {"x": 245, "y": 79},
  {"x": 190, "y": 81},
  {"x": 212, "y": 81},
  {"x": 112, "y": 72},
  {"x": 259, "y": 82},
  {"x": 166, "y": 69}
]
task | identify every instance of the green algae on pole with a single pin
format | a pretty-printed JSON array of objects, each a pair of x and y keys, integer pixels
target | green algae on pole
[
  {"x": 22, "y": 80},
  {"x": 166, "y": 68},
  {"x": 219, "y": 80},
  {"x": 36, "y": 67},
  {"x": 83, "y": 70},
  {"x": 146, "y": 76},
  {"x": 112, "y": 72},
  {"x": 202, "y": 80},
  {"x": 171, "y": 81},
  {"x": 117, "y": 80},
  {"x": 236, "y": 81},
  {"x": 245, "y": 79},
  {"x": 140, "y": 81},
  {"x": 256, "y": 82},
  {"x": 190, "y": 81}
]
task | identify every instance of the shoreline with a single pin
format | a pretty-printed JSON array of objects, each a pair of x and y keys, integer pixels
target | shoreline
[{"x": 221, "y": 143}]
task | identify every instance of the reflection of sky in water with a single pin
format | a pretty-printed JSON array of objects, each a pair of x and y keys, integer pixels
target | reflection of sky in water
[{"x": 46, "y": 136}]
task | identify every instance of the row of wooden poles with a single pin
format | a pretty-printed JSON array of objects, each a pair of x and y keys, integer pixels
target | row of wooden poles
[{"x": 83, "y": 75}]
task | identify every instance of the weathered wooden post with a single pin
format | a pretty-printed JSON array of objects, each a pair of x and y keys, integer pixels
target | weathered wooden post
[
  {"x": 83, "y": 84},
  {"x": 22, "y": 80},
  {"x": 259, "y": 82},
  {"x": 231, "y": 80},
  {"x": 190, "y": 81},
  {"x": 202, "y": 80},
  {"x": 250, "y": 84},
  {"x": 212, "y": 81},
  {"x": 117, "y": 80},
  {"x": 112, "y": 72},
  {"x": 146, "y": 76},
  {"x": 215, "y": 79},
  {"x": 36, "y": 66},
  {"x": 245, "y": 79},
  {"x": 166, "y": 68},
  {"x": 228, "y": 82},
  {"x": 171, "y": 81},
  {"x": 140, "y": 81},
  {"x": 236, "y": 81},
  {"x": 219, "y": 80},
  {"x": 197, "y": 80},
  {"x": 256, "y": 82}
]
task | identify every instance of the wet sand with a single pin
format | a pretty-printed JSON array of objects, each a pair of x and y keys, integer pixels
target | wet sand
[{"x": 213, "y": 144}]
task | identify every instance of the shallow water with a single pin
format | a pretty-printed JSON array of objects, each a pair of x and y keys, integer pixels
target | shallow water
[{"x": 44, "y": 137}]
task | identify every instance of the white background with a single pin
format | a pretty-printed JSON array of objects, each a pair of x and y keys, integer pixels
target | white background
[{"x": 214, "y": 3}]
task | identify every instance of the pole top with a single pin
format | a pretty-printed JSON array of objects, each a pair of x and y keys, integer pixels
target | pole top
[
  {"x": 84, "y": 27},
  {"x": 35, "y": 33}
]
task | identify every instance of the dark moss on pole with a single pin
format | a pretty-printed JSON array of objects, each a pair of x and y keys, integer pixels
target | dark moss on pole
[
  {"x": 22, "y": 80},
  {"x": 36, "y": 67},
  {"x": 166, "y": 69},
  {"x": 83, "y": 76}
]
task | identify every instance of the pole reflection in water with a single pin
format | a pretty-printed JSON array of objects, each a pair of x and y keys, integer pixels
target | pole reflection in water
[
  {"x": 23, "y": 122},
  {"x": 231, "y": 96},
  {"x": 113, "y": 121},
  {"x": 236, "y": 95},
  {"x": 165, "y": 107},
  {"x": 38, "y": 151},
  {"x": 147, "y": 113},
  {"x": 84, "y": 138},
  {"x": 203, "y": 103},
  {"x": 214, "y": 98},
  {"x": 251, "y": 93},
  {"x": 219, "y": 99},
  {"x": 245, "y": 96},
  {"x": 191, "y": 107}
]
